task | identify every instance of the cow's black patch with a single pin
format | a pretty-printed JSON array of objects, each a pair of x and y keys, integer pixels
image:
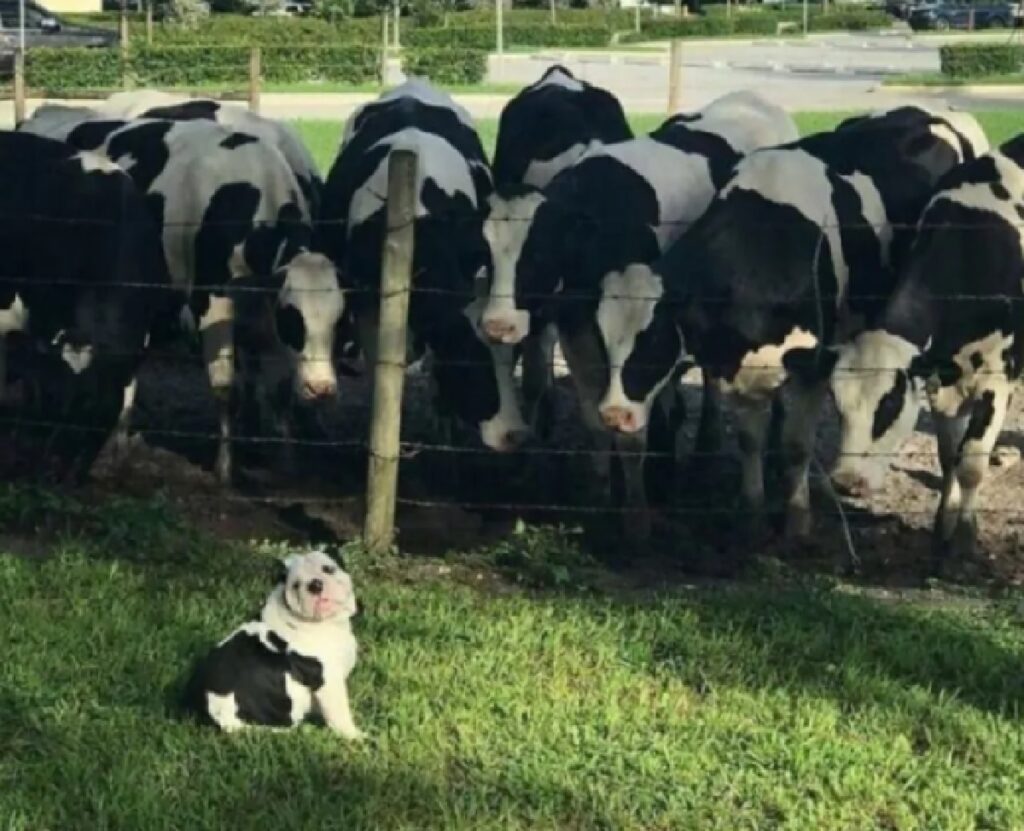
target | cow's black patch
[
  {"x": 290, "y": 327},
  {"x": 145, "y": 147},
  {"x": 198, "y": 110},
  {"x": 91, "y": 135},
  {"x": 977, "y": 360},
  {"x": 720, "y": 155},
  {"x": 237, "y": 140},
  {"x": 227, "y": 221},
  {"x": 999, "y": 191},
  {"x": 277, "y": 641},
  {"x": 1020, "y": 210},
  {"x": 889, "y": 407},
  {"x": 983, "y": 412}
]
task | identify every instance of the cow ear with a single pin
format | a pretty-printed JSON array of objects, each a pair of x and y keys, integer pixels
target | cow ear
[
  {"x": 942, "y": 371},
  {"x": 810, "y": 364}
]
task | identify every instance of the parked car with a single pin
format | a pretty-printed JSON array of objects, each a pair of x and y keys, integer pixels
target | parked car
[
  {"x": 955, "y": 14},
  {"x": 45, "y": 29}
]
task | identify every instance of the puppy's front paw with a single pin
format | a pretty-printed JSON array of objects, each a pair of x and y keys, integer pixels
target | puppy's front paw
[{"x": 352, "y": 733}]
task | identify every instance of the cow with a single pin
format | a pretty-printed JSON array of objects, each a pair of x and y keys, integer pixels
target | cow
[
  {"x": 553, "y": 250},
  {"x": 127, "y": 106},
  {"x": 238, "y": 240},
  {"x": 474, "y": 380},
  {"x": 82, "y": 281},
  {"x": 796, "y": 252},
  {"x": 953, "y": 331},
  {"x": 548, "y": 125}
]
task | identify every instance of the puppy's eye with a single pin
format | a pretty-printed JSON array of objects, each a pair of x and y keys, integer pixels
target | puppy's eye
[
  {"x": 329, "y": 569},
  {"x": 296, "y": 585}
]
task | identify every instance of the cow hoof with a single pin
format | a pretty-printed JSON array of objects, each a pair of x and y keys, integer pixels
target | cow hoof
[{"x": 964, "y": 542}]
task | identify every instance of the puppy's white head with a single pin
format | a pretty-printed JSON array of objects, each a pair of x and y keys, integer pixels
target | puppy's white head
[{"x": 316, "y": 588}]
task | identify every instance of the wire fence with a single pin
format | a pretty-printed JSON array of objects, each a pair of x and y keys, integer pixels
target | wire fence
[{"x": 416, "y": 447}]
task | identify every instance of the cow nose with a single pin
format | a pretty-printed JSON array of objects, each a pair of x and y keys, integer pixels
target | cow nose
[
  {"x": 315, "y": 586},
  {"x": 514, "y": 439},
  {"x": 619, "y": 418},
  {"x": 314, "y": 390},
  {"x": 850, "y": 483},
  {"x": 498, "y": 330}
]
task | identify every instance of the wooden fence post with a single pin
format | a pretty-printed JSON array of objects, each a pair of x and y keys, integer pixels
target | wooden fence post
[
  {"x": 19, "y": 86},
  {"x": 254, "y": 80},
  {"x": 675, "y": 70},
  {"x": 392, "y": 337},
  {"x": 149, "y": 22}
]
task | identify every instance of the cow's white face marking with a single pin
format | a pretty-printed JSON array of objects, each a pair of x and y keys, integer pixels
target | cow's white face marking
[
  {"x": 78, "y": 358},
  {"x": 14, "y": 318},
  {"x": 626, "y": 308},
  {"x": 506, "y": 229},
  {"x": 504, "y": 430},
  {"x": 761, "y": 371},
  {"x": 311, "y": 287},
  {"x": 878, "y": 405},
  {"x": 94, "y": 161}
]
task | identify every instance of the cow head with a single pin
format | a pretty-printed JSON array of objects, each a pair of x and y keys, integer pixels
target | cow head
[
  {"x": 309, "y": 306},
  {"x": 475, "y": 383},
  {"x": 878, "y": 401},
  {"x": 643, "y": 345},
  {"x": 530, "y": 240}
]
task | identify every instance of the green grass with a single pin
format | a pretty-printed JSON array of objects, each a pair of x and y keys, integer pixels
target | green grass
[
  {"x": 759, "y": 706},
  {"x": 323, "y": 136}
]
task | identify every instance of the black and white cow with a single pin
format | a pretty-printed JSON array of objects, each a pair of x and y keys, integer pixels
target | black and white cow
[
  {"x": 82, "y": 281},
  {"x": 475, "y": 380},
  {"x": 548, "y": 125},
  {"x": 237, "y": 235},
  {"x": 954, "y": 328},
  {"x": 127, "y": 106},
  {"x": 796, "y": 251},
  {"x": 554, "y": 250}
]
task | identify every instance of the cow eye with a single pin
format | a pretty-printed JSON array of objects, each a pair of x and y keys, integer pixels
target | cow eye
[
  {"x": 329, "y": 569},
  {"x": 290, "y": 327}
]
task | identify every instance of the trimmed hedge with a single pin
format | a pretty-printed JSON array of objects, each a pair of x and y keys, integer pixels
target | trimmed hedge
[
  {"x": 756, "y": 23},
  {"x": 446, "y": 66},
  {"x": 977, "y": 60},
  {"x": 57, "y": 70},
  {"x": 482, "y": 37}
]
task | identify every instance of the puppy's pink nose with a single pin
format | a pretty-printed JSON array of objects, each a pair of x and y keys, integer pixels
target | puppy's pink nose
[{"x": 619, "y": 418}]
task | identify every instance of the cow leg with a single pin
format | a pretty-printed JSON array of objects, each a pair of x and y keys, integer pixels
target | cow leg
[
  {"x": 753, "y": 416},
  {"x": 709, "y": 430},
  {"x": 216, "y": 329},
  {"x": 949, "y": 432},
  {"x": 539, "y": 379},
  {"x": 118, "y": 445},
  {"x": 959, "y": 522},
  {"x": 802, "y": 409}
]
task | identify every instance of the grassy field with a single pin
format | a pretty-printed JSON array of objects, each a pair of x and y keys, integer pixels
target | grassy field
[
  {"x": 516, "y": 688},
  {"x": 767, "y": 705},
  {"x": 323, "y": 136}
]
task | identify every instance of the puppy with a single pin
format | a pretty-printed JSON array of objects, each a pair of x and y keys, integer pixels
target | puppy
[{"x": 292, "y": 662}]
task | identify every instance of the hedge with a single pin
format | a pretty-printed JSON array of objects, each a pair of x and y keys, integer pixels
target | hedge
[
  {"x": 756, "y": 23},
  {"x": 446, "y": 66},
  {"x": 482, "y": 37},
  {"x": 56, "y": 70},
  {"x": 977, "y": 60}
]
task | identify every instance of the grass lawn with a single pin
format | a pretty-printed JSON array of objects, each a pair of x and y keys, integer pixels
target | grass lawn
[
  {"x": 937, "y": 79},
  {"x": 323, "y": 136},
  {"x": 765, "y": 705}
]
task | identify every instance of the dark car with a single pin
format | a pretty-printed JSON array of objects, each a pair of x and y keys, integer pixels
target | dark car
[
  {"x": 951, "y": 14},
  {"x": 45, "y": 29}
]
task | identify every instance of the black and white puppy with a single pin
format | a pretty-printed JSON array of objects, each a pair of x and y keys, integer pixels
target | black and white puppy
[{"x": 291, "y": 663}]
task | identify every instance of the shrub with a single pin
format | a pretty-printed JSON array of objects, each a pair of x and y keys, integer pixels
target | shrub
[
  {"x": 977, "y": 60},
  {"x": 190, "y": 66},
  {"x": 482, "y": 37},
  {"x": 56, "y": 70},
  {"x": 446, "y": 66},
  {"x": 756, "y": 23},
  {"x": 849, "y": 20}
]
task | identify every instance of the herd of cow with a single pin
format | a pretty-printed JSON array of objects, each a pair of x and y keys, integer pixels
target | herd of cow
[{"x": 881, "y": 261}]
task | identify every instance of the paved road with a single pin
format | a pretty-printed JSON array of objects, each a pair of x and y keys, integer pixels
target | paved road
[{"x": 826, "y": 72}]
